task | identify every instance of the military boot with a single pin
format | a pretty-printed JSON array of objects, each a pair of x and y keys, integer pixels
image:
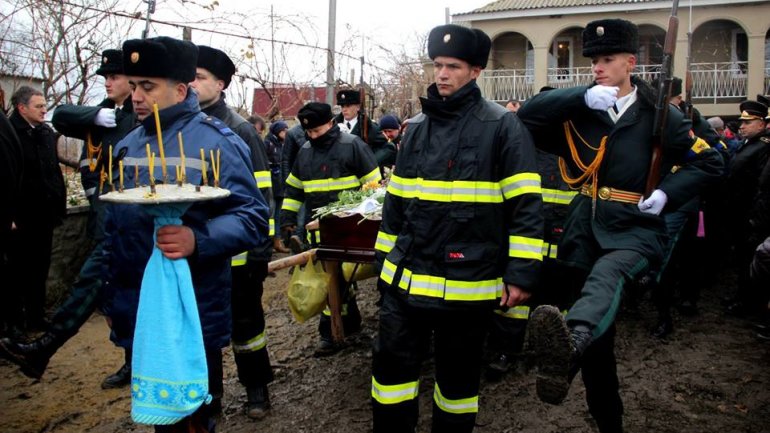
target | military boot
[
  {"x": 120, "y": 378},
  {"x": 31, "y": 357},
  {"x": 557, "y": 350},
  {"x": 257, "y": 402}
]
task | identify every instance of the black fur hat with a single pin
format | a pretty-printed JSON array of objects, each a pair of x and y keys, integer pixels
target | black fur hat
[
  {"x": 348, "y": 97},
  {"x": 451, "y": 40},
  {"x": 314, "y": 114},
  {"x": 112, "y": 63},
  {"x": 160, "y": 57},
  {"x": 216, "y": 62},
  {"x": 610, "y": 36}
]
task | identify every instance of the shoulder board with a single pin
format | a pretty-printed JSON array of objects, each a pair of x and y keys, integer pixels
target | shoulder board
[
  {"x": 765, "y": 140},
  {"x": 417, "y": 119},
  {"x": 217, "y": 124}
]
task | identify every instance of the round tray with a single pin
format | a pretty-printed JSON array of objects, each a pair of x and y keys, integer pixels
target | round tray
[{"x": 165, "y": 194}]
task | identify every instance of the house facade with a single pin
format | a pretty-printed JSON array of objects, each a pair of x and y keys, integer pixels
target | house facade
[{"x": 537, "y": 43}]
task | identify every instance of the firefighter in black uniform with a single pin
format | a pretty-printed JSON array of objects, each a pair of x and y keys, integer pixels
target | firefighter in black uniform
[
  {"x": 330, "y": 161},
  {"x": 249, "y": 270},
  {"x": 603, "y": 134},
  {"x": 740, "y": 192},
  {"x": 462, "y": 233}
]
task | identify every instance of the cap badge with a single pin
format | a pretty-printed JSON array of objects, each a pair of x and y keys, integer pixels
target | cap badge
[
  {"x": 134, "y": 57},
  {"x": 342, "y": 96},
  {"x": 600, "y": 31},
  {"x": 745, "y": 114},
  {"x": 447, "y": 38},
  {"x": 304, "y": 121},
  {"x": 105, "y": 60}
]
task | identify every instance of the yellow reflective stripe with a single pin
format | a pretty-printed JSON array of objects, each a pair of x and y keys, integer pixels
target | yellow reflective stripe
[
  {"x": 263, "y": 179},
  {"x": 271, "y": 231},
  {"x": 558, "y": 196},
  {"x": 238, "y": 260},
  {"x": 253, "y": 345},
  {"x": 452, "y": 290},
  {"x": 394, "y": 394},
  {"x": 521, "y": 183},
  {"x": 520, "y": 312},
  {"x": 388, "y": 272},
  {"x": 373, "y": 176},
  {"x": 385, "y": 242},
  {"x": 313, "y": 236},
  {"x": 344, "y": 312},
  {"x": 446, "y": 191},
  {"x": 291, "y": 204},
  {"x": 294, "y": 181},
  {"x": 525, "y": 248},
  {"x": 324, "y": 185},
  {"x": 550, "y": 250},
  {"x": 463, "y": 405}
]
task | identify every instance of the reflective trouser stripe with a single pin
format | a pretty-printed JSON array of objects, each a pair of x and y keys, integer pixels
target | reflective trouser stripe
[
  {"x": 385, "y": 242},
  {"x": 263, "y": 179},
  {"x": 313, "y": 236},
  {"x": 239, "y": 260},
  {"x": 520, "y": 312},
  {"x": 394, "y": 394},
  {"x": 328, "y": 312},
  {"x": 459, "y": 406},
  {"x": 271, "y": 232},
  {"x": 253, "y": 345}
]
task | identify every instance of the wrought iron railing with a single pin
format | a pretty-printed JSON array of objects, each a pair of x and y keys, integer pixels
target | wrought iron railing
[
  {"x": 714, "y": 82},
  {"x": 767, "y": 81}
]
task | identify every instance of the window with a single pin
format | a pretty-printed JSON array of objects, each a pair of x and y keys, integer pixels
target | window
[
  {"x": 562, "y": 52},
  {"x": 739, "y": 52}
]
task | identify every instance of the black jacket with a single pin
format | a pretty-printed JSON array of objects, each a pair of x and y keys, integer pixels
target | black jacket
[
  {"x": 11, "y": 172},
  {"x": 746, "y": 183},
  {"x": 77, "y": 121},
  {"x": 43, "y": 194},
  {"x": 295, "y": 138},
  {"x": 259, "y": 163},
  {"x": 463, "y": 209},
  {"x": 274, "y": 150},
  {"x": 625, "y": 166},
  {"x": 326, "y": 166}
]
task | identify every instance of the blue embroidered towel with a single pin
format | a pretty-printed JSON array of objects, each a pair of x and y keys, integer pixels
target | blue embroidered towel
[{"x": 169, "y": 374}]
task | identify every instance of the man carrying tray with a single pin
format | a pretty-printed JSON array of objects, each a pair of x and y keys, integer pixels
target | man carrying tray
[{"x": 159, "y": 70}]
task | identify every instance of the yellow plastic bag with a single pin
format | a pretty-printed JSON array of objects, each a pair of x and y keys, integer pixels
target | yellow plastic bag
[
  {"x": 308, "y": 290},
  {"x": 357, "y": 271}
]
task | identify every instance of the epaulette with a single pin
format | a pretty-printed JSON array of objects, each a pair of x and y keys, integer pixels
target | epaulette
[{"x": 218, "y": 125}]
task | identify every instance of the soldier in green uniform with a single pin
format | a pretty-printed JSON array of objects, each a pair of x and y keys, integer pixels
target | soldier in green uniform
[{"x": 603, "y": 133}]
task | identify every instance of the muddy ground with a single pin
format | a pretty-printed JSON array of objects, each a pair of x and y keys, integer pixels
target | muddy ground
[{"x": 711, "y": 375}]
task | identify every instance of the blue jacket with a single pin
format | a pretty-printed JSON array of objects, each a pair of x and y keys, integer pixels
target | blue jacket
[{"x": 222, "y": 228}]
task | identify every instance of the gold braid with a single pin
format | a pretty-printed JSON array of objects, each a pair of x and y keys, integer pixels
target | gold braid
[
  {"x": 92, "y": 150},
  {"x": 589, "y": 171}
]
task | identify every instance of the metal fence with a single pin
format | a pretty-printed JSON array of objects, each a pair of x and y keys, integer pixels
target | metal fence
[{"x": 714, "y": 82}]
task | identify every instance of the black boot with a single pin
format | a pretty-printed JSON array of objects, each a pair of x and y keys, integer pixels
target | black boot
[
  {"x": 557, "y": 350},
  {"x": 664, "y": 327},
  {"x": 120, "y": 378},
  {"x": 257, "y": 402},
  {"x": 31, "y": 357}
]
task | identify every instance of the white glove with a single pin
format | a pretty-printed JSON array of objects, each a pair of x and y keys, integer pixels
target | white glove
[
  {"x": 343, "y": 127},
  {"x": 601, "y": 97},
  {"x": 105, "y": 117},
  {"x": 655, "y": 204}
]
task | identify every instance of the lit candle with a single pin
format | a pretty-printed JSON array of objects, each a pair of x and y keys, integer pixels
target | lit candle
[
  {"x": 181, "y": 154},
  {"x": 120, "y": 168},
  {"x": 110, "y": 166},
  {"x": 203, "y": 168},
  {"x": 160, "y": 142}
]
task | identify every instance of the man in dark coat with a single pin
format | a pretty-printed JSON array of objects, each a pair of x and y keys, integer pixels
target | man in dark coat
[
  {"x": 274, "y": 144},
  {"x": 41, "y": 208},
  {"x": 740, "y": 191},
  {"x": 214, "y": 73},
  {"x": 11, "y": 170},
  {"x": 359, "y": 124},
  {"x": 603, "y": 133},
  {"x": 100, "y": 127},
  {"x": 295, "y": 138}
]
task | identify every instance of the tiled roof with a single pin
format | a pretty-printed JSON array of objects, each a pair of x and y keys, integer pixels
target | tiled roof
[{"x": 510, "y": 5}]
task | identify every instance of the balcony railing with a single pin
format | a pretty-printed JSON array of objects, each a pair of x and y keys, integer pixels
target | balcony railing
[
  {"x": 712, "y": 82},
  {"x": 767, "y": 80},
  {"x": 504, "y": 84}
]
